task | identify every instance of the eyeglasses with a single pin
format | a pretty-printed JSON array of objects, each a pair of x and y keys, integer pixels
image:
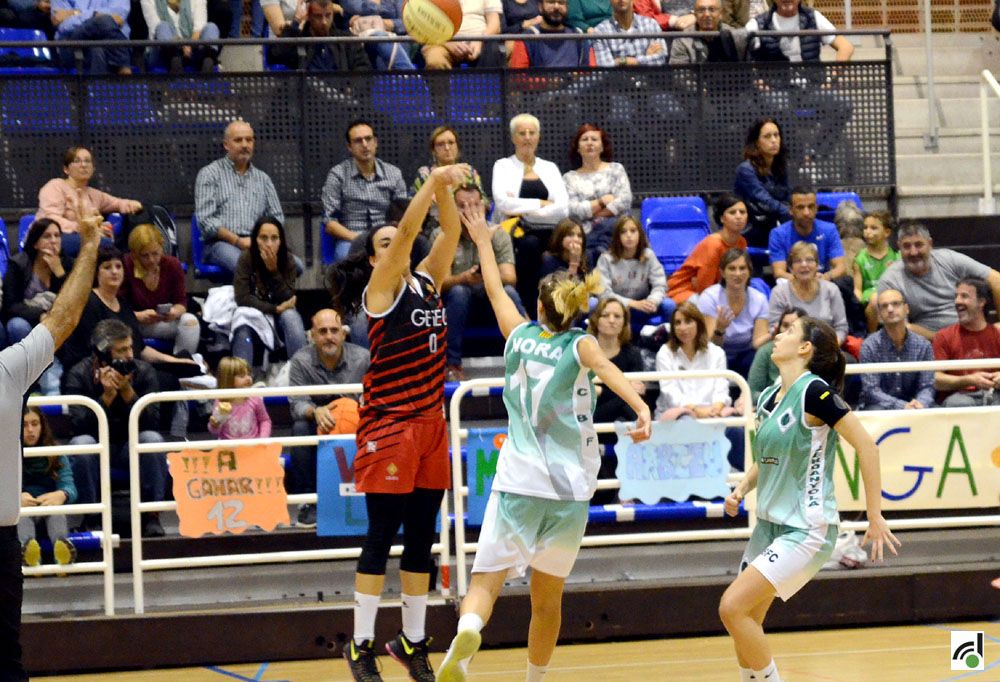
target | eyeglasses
[{"x": 82, "y": 162}]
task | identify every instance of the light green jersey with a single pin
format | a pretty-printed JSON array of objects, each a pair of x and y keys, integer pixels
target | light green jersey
[
  {"x": 795, "y": 461},
  {"x": 551, "y": 449}
]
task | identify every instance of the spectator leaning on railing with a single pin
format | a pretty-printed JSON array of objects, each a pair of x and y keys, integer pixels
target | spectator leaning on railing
[
  {"x": 324, "y": 19},
  {"x": 479, "y": 18},
  {"x": 170, "y": 20},
  {"x": 634, "y": 52},
  {"x": 729, "y": 46},
  {"x": 551, "y": 53},
  {"x": 94, "y": 20}
]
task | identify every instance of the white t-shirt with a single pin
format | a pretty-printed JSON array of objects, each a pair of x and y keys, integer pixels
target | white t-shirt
[
  {"x": 679, "y": 392},
  {"x": 792, "y": 47},
  {"x": 474, "y": 16}
]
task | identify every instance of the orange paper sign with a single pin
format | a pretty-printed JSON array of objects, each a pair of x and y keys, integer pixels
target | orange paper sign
[{"x": 229, "y": 489}]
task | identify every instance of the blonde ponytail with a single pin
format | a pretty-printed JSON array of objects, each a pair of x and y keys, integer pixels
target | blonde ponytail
[{"x": 569, "y": 297}]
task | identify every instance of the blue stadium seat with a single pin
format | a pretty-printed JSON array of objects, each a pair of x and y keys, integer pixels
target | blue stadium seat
[
  {"x": 24, "y": 225},
  {"x": 829, "y": 201},
  {"x": 202, "y": 270},
  {"x": 761, "y": 286},
  {"x": 674, "y": 226},
  {"x": 405, "y": 99},
  {"x": 327, "y": 245},
  {"x": 29, "y": 54},
  {"x": 4, "y": 248},
  {"x": 120, "y": 104},
  {"x": 475, "y": 98},
  {"x": 32, "y": 106}
]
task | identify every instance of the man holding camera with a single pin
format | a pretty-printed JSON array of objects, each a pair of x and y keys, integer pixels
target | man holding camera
[{"x": 116, "y": 379}]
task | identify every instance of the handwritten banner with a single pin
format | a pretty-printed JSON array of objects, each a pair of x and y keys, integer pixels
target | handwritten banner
[
  {"x": 681, "y": 459},
  {"x": 229, "y": 489}
]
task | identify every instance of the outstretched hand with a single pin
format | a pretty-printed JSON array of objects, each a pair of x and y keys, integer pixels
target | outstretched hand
[
  {"x": 880, "y": 536},
  {"x": 90, "y": 229},
  {"x": 474, "y": 220},
  {"x": 453, "y": 175}
]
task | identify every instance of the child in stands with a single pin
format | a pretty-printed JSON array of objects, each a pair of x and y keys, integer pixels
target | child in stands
[{"x": 238, "y": 417}]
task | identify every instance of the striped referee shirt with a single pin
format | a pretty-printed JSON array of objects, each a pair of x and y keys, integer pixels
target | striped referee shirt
[
  {"x": 224, "y": 198},
  {"x": 608, "y": 52},
  {"x": 359, "y": 203}
]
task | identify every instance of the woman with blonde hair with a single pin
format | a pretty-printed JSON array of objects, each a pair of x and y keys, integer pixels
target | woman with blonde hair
[
  {"x": 154, "y": 287},
  {"x": 537, "y": 512}
]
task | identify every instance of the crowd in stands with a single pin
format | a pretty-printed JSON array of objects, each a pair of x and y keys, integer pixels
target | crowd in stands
[{"x": 138, "y": 336}]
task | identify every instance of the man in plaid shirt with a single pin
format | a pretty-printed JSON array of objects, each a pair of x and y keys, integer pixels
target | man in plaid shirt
[{"x": 645, "y": 51}]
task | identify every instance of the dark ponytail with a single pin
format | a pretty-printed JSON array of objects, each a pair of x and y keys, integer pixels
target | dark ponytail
[
  {"x": 347, "y": 279},
  {"x": 827, "y": 360}
]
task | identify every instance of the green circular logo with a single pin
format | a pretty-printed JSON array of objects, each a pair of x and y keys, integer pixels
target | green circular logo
[{"x": 972, "y": 661}]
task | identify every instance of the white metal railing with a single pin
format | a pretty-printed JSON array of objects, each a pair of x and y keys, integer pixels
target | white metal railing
[
  {"x": 987, "y": 205},
  {"x": 136, "y": 449},
  {"x": 462, "y": 548},
  {"x": 106, "y": 565},
  {"x": 933, "y": 125}
]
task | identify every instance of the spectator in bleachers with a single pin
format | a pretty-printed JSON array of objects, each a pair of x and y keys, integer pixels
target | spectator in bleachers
[
  {"x": 971, "y": 338},
  {"x": 323, "y": 20},
  {"x": 445, "y": 151},
  {"x": 530, "y": 190},
  {"x": 462, "y": 290},
  {"x": 644, "y": 51},
  {"x": 68, "y": 200},
  {"x": 872, "y": 261},
  {"x": 729, "y": 46},
  {"x": 264, "y": 288},
  {"x": 479, "y": 18},
  {"x": 328, "y": 360},
  {"x": 565, "y": 54},
  {"x": 668, "y": 16},
  {"x": 33, "y": 278},
  {"x": 927, "y": 278},
  {"x": 33, "y": 14},
  {"x": 358, "y": 190},
  {"x": 599, "y": 188},
  {"x": 633, "y": 275},
  {"x": 818, "y": 297},
  {"x": 688, "y": 347},
  {"x": 804, "y": 227},
  {"x": 230, "y": 195},
  {"x": 375, "y": 18},
  {"x": 585, "y": 15},
  {"x": 94, "y": 20},
  {"x": 112, "y": 375},
  {"x": 790, "y": 15},
  {"x": 281, "y": 14},
  {"x": 763, "y": 371},
  {"x": 701, "y": 269},
  {"x": 762, "y": 179},
  {"x": 895, "y": 343},
  {"x": 735, "y": 313},
  {"x": 45, "y": 482},
  {"x": 567, "y": 250},
  {"x": 236, "y": 418},
  {"x": 520, "y": 15},
  {"x": 737, "y": 13},
  {"x": 154, "y": 287},
  {"x": 170, "y": 20}
]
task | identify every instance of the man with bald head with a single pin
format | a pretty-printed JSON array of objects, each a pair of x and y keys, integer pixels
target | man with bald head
[
  {"x": 328, "y": 359},
  {"x": 230, "y": 195},
  {"x": 895, "y": 343}
]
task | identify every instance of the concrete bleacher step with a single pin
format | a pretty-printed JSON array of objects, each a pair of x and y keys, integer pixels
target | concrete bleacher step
[
  {"x": 952, "y": 112},
  {"x": 943, "y": 169},
  {"x": 910, "y": 141},
  {"x": 947, "y": 86}
]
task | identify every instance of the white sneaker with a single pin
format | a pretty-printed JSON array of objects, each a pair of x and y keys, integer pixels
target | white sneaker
[{"x": 464, "y": 646}]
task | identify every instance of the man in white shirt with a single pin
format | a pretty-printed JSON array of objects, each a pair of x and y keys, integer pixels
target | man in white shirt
[{"x": 479, "y": 18}]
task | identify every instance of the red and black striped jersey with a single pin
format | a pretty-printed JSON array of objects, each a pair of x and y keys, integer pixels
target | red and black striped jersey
[{"x": 407, "y": 344}]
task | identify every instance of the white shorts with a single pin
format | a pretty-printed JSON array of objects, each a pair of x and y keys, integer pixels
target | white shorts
[
  {"x": 788, "y": 557},
  {"x": 520, "y": 531}
]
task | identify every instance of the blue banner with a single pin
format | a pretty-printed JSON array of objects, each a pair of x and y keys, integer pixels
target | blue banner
[
  {"x": 681, "y": 459},
  {"x": 482, "y": 449},
  {"x": 339, "y": 511}
]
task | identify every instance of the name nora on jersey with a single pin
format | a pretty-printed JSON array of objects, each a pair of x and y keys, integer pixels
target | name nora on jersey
[
  {"x": 532, "y": 347},
  {"x": 428, "y": 318}
]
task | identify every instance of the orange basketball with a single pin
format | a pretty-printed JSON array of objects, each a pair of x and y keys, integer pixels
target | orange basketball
[{"x": 432, "y": 22}]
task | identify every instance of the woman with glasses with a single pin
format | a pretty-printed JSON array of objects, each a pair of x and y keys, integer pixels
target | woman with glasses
[
  {"x": 819, "y": 298},
  {"x": 445, "y": 151},
  {"x": 68, "y": 200}
]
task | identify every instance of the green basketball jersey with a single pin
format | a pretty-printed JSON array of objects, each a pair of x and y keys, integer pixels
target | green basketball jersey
[
  {"x": 795, "y": 461},
  {"x": 551, "y": 449}
]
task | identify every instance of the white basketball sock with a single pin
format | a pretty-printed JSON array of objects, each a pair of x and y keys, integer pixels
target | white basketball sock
[
  {"x": 365, "y": 610},
  {"x": 414, "y": 615},
  {"x": 768, "y": 674},
  {"x": 746, "y": 675},
  {"x": 535, "y": 672},
  {"x": 470, "y": 621}
]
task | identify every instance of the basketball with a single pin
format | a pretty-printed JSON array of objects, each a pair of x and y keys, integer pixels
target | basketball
[{"x": 432, "y": 22}]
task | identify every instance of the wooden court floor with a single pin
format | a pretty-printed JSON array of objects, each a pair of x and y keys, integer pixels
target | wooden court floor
[{"x": 915, "y": 653}]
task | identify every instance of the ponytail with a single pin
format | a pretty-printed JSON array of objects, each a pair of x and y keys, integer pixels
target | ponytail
[
  {"x": 827, "y": 359},
  {"x": 347, "y": 279},
  {"x": 565, "y": 298}
]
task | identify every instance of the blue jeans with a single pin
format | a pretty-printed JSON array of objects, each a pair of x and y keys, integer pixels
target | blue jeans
[
  {"x": 458, "y": 301},
  {"x": 17, "y": 329},
  {"x": 226, "y": 256},
  {"x": 97, "y": 60},
  {"x": 152, "y": 469},
  {"x": 290, "y": 328},
  {"x": 165, "y": 32},
  {"x": 382, "y": 56},
  {"x": 639, "y": 319}
]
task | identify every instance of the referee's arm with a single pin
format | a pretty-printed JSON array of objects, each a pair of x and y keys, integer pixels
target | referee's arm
[{"x": 68, "y": 306}]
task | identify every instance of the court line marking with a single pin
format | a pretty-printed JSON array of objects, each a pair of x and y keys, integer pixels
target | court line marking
[{"x": 258, "y": 676}]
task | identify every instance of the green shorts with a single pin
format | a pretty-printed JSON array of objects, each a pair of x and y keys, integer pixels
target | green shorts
[
  {"x": 789, "y": 557},
  {"x": 520, "y": 531}
]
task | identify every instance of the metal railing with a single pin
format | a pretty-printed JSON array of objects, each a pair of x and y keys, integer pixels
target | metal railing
[
  {"x": 987, "y": 83},
  {"x": 103, "y": 507}
]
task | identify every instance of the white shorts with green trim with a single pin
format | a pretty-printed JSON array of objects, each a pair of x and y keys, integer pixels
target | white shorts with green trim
[
  {"x": 788, "y": 557},
  {"x": 520, "y": 531}
]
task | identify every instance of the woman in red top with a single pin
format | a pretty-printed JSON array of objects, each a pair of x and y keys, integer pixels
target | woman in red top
[
  {"x": 402, "y": 460},
  {"x": 700, "y": 269}
]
